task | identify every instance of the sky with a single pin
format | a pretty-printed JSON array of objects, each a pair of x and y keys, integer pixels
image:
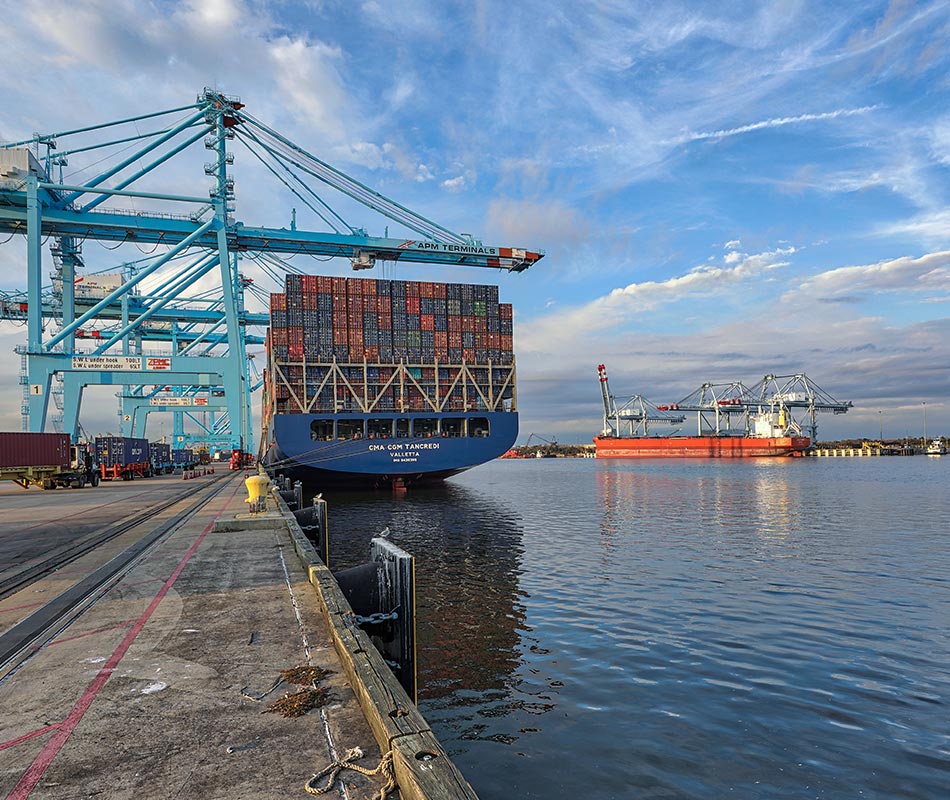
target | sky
[{"x": 721, "y": 190}]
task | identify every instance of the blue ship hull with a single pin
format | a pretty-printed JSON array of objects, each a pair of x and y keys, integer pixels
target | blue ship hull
[{"x": 381, "y": 461}]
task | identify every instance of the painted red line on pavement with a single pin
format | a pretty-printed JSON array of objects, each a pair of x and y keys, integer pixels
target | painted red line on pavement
[
  {"x": 41, "y": 763},
  {"x": 19, "y": 608},
  {"x": 90, "y": 633},
  {"x": 27, "y": 736}
]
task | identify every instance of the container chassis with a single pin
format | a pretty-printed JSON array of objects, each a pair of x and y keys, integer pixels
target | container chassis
[{"x": 126, "y": 472}]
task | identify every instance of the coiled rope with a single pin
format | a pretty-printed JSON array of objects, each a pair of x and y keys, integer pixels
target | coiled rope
[{"x": 384, "y": 768}]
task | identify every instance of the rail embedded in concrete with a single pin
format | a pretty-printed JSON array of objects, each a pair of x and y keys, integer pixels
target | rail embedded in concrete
[{"x": 423, "y": 769}]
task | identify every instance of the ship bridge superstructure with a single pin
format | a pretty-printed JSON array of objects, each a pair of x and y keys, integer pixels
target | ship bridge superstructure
[{"x": 170, "y": 325}]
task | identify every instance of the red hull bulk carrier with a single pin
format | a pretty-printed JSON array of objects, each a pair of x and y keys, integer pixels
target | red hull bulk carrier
[
  {"x": 767, "y": 432},
  {"x": 698, "y": 446}
]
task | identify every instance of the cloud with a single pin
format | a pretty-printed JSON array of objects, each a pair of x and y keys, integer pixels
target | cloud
[
  {"x": 932, "y": 227},
  {"x": 559, "y": 333},
  {"x": 456, "y": 184},
  {"x": 777, "y": 122},
  {"x": 927, "y": 274}
]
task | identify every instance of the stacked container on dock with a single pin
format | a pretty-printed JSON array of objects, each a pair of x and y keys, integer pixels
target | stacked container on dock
[{"x": 123, "y": 457}]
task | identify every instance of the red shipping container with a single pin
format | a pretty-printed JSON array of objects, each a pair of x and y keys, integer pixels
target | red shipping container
[
  {"x": 412, "y": 289},
  {"x": 504, "y": 310},
  {"x": 34, "y": 449},
  {"x": 439, "y": 293},
  {"x": 455, "y": 338},
  {"x": 468, "y": 323},
  {"x": 340, "y": 336},
  {"x": 427, "y": 322},
  {"x": 468, "y": 354},
  {"x": 441, "y": 339}
]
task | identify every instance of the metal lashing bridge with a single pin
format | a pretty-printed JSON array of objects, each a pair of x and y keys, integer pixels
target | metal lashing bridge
[{"x": 173, "y": 329}]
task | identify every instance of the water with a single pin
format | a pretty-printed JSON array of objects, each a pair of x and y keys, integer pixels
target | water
[{"x": 681, "y": 629}]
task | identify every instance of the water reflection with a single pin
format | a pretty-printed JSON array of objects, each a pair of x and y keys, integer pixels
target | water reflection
[{"x": 470, "y": 609}]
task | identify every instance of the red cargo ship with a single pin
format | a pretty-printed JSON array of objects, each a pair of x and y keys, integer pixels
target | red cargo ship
[
  {"x": 766, "y": 430},
  {"x": 698, "y": 446}
]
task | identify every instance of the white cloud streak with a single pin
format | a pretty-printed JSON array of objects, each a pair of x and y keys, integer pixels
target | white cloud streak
[{"x": 776, "y": 122}]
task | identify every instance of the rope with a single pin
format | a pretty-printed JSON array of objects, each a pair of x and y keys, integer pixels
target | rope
[
  {"x": 385, "y": 768},
  {"x": 260, "y": 698}
]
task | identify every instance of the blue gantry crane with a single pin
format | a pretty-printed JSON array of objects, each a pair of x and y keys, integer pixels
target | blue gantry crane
[{"x": 173, "y": 332}]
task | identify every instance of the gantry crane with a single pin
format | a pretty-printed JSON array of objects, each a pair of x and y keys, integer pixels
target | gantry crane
[
  {"x": 192, "y": 241},
  {"x": 636, "y": 412}
]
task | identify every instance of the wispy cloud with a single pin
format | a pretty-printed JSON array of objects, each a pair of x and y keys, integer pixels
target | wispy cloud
[
  {"x": 775, "y": 122},
  {"x": 560, "y": 332}
]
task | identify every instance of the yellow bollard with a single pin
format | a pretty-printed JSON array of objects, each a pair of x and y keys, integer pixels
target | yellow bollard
[{"x": 257, "y": 488}]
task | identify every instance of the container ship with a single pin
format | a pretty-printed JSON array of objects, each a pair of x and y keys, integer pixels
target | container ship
[
  {"x": 374, "y": 383},
  {"x": 766, "y": 431}
]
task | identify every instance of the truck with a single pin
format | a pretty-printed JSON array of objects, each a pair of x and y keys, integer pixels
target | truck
[
  {"x": 161, "y": 458},
  {"x": 47, "y": 460},
  {"x": 123, "y": 457}
]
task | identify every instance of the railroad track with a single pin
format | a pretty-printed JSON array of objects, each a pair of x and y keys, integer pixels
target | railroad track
[
  {"x": 17, "y": 578},
  {"x": 17, "y": 642}
]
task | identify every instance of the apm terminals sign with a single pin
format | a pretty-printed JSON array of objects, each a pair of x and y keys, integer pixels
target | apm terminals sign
[{"x": 442, "y": 247}]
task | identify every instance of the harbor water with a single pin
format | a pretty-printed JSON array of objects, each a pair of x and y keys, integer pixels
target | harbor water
[{"x": 762, "y": 628}]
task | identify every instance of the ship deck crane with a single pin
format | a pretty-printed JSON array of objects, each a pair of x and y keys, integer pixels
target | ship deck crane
[
  {"x": 715, "y": 405},
  {"x": 189, "y": 240},
  {"x": 789, "y": 392},
  {"x": 636, "y": 412}
]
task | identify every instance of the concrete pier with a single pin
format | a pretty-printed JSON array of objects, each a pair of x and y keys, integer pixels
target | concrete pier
[{"x": 149, "y": 692}]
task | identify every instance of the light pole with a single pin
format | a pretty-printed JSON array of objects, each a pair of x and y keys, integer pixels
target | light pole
[{"x": 925, "y": 423}]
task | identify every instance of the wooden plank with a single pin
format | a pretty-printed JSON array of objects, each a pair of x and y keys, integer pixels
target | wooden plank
[{"x": 424, "y": 770}]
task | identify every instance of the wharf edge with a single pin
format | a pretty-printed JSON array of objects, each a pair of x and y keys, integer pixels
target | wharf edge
[{"x": 423, "y": 769}]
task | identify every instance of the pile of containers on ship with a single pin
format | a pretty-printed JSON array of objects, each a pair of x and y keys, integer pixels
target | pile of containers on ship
[{"x": 367, "y": 327}]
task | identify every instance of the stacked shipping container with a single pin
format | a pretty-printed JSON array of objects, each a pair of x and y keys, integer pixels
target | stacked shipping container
[
  {"x": 373, "y": 325},
  {"x": 381, "y": 321}
]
